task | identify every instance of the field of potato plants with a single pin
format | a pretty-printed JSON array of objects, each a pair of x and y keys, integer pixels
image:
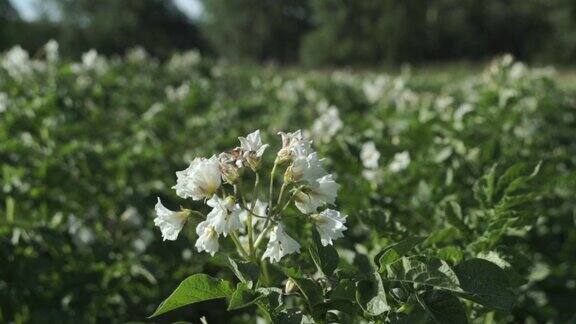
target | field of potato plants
[{"x": 191, "y": 190}]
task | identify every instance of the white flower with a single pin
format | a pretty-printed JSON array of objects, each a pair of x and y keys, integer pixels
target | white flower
[
  {"x": 307, "y": 168},
  {"x": 51, "y": 49},
  {"x": 170, "y": 222},
  {"x": 369, "y": 155},
  {"x": 181, "y": 62},
  {"x": 330, "y": 225},
  {"x": 327, "y": 125},
  {"x": 253, "y": 143},
  {"x": 293, "y": 144},
  {"x": 137, "y": 55},
  {"x": 200, "y": 180},
  {"x": 374, "y": 90},
  {"x": 259, "y": 210},
  {"x": 309, "y": 199},
  {"x": 252, "y": 148},
  {"x": 400, "y": 162},
  {"x": 90, "y": 58},
  {"x": 82, "y": 235},
  {"x": 224, "y": 215},
  {"x": 17, "y": 62},
  {"x": 179, "y": 93},
  {"x": 373, "y": 175},
  {"x": 207, "y": 238},
  {"x": 3, "y": 101},
  {"x": 280, "y": 244}
]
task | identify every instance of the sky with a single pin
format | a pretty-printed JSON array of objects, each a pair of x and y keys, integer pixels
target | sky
[{"x": 28, "y": 11}]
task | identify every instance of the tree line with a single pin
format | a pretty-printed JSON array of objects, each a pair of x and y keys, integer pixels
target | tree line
[{"x": 310, "y": 32}]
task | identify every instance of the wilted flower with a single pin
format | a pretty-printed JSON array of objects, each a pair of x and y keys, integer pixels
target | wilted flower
[
  {"x": 170, "y": 222},
  {"x": 252, "y": 148},
  {"x": 280, "y": 244},
  {"x": 230, "y": 163},
  {"x": 309, "y": 198},
  {"x": 224, "y": 215},
  {"x": 369, "y": 155},
  {"x": 293, "y": 144},
  {"x": 400, "y": 162},
  {"x": 330, "y": 225},
  {"x": 207, "y": 238},
  {"x": 200, "y": 180}
]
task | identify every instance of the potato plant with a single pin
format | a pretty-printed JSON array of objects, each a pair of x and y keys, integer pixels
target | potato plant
[{"x": 444, "y": 198}]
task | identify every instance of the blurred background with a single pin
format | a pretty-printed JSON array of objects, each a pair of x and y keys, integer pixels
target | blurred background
[{"x": 360, "y": 33}]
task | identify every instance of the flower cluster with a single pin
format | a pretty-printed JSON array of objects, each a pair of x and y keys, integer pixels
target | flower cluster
[{"x": 218, "y": 182}]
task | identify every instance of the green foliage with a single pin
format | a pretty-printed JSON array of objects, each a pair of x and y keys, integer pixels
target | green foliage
[
  {"x": 201, "y": 287},
  {"x": 85, "y": 149},
  {"x": 485, "y": 283},
  {"x": 325, "y": 257}
]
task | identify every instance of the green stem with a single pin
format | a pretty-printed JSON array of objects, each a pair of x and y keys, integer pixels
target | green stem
[
  {"x": 281, "y": 194},
  {"x": 272, "y": 173},
  {"x": 238, "y": 194},
  {"x": 239, "y": 246},
  {"x": 290, "y": 200},
  {"x": 250, "y": 213},
  {"x": 194, "y": 212},
  {"x": 260, "y": 238},
  {"x": 265, "y": 273}
]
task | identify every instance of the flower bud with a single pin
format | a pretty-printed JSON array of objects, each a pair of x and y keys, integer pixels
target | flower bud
[
  {"x": 317, "y": 219},
  {"x": 284, "y": 155},
  {"x": 253, "y": 161},
  {"x": 229, "y": 201},
  {"x": 290, "y": 287},
  {"x": 288, "y": 176},
  {"x": 326, "y": 284}
]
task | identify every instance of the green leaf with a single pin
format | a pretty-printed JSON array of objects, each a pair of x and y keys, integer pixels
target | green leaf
[
  {"x": 325, "y": 257},
  {"x": 194, "y": 289},
  {"x": 271, "y": 301},
  {"x": 485, "y": 283},
  {"x": 341, "y": 305},
  {"x": 450, "y": 253},
  {"x": 310, "y": 290},
  {"x": 395, "y": 251},
  {"x": 346, "y": 290},
  {"x": 443, "y": 307},
  {"x": 371, "y": 297},
  {"x": 484, "y": 188},
  {"x": 434, "y": 274},
  {"x": 289, "y": 316},
  {"x": 244, "y": 296},
  {"x": 245, "y": 271}
]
